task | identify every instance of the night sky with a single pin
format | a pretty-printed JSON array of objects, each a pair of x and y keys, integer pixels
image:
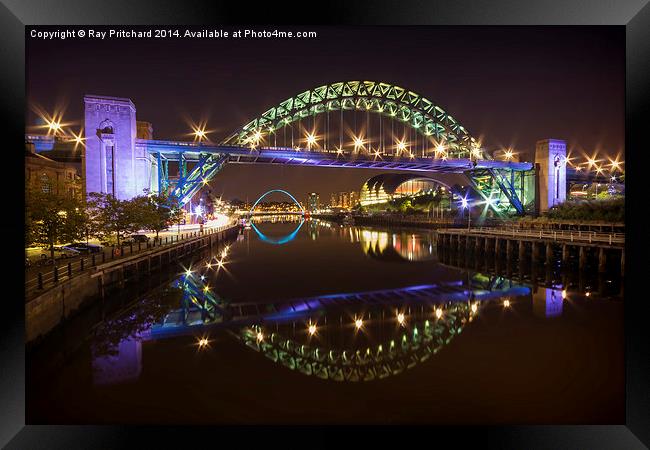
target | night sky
[{"x": 508, "y": 86}]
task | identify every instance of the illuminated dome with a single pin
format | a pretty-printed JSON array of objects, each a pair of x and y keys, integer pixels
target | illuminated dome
[{"x": 385, "y": 187}]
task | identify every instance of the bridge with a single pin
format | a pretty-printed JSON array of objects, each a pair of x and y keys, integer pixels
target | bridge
[{"x": 349, "y": 124}]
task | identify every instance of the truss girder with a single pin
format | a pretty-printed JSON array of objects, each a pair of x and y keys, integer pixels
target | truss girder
[
  {"x": 189, "y": 182},
  {"x": 389, "y": 100},
  {"x": 490, "y": 183}
]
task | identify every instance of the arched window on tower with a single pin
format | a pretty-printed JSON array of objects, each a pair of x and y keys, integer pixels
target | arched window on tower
[{"x": 106, "y": 127}]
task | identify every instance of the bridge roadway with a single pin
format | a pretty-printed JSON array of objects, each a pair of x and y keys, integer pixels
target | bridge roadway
[{"x": 305, "y": 157}]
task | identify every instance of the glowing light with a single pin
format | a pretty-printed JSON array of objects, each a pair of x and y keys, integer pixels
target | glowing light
[
  {"x": 474, "y": 308},
  {"x": 199, "y": 133},
  {"x": 506, "y": 303},
  {"x": 188, "y": 272},
  {"x": 208, "y": 265},
  {"x": 440, "y": 148},
  {"x": 311, "y": 329},
  {"x": 358, "y": 323},
  {"x": 203, "y": 342},
  {"x": 508, "y": 154},
  {"x": 400, "y": 318},
  {"x": 401, "y": 146},
  {"x": 563, "y": 294},
  {"x": 358, "y": 143},
  {"x": 587, "y": 294},
  {"x": 464, "y": 203},
  {"x": 260, "y": 336},
  {"x": 256, "y": 137},
  {"x": 615, "y": 164},
  {"x": 339, "y": 150},
  {"x": 206, "y": 289},
  {"x": 78, "y": 140},
  {"x": 311, "y": 140},
  {"x": 54, "y": 126},
  {"x": 438, "y": 313}
]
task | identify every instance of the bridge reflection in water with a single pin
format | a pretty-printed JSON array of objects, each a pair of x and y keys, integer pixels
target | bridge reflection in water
[{"x": 358, "y": 336}]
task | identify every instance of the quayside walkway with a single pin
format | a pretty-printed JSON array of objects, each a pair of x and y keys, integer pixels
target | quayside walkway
[{"x": 492, "y": 240}]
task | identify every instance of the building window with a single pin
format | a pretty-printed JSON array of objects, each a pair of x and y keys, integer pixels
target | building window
[
  {"x": 45, "y": 183},
  {"x": 110, "y": 173}
]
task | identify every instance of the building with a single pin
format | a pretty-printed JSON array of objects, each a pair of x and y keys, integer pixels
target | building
[
  {"x": 313, "y": 201},
  {"x": 386, "y": 187},
  {"x": 344, "y": 200},
  {"x": 114, "y": 162},
  {"x": 354, "y": 199},
  {"x": 334, "y": 202},
  {"x": 49, "y": 175},
  {"x": 550, "y": 162}
]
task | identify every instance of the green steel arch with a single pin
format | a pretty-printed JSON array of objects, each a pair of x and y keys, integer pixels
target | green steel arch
[
  {"x": 386, "y": 99},
  {"x": 416, "y": 345}
]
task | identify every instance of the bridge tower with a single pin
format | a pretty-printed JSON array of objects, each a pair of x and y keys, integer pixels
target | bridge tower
[
  {"x": 550, "y": 162},
  {"x": 113, "y": 162}
]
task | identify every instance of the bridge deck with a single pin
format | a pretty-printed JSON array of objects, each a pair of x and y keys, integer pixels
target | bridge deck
[{"x": 305, "y": 157}]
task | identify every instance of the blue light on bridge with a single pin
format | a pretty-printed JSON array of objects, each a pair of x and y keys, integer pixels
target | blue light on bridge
[{"x": 278, "y": 241}]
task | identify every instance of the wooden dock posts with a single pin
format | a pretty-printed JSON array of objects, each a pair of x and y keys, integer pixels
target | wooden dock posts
[{"x": 589, "y": 246}]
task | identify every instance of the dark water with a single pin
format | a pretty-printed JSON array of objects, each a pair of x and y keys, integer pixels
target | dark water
[{"x": 399, "y": 334}]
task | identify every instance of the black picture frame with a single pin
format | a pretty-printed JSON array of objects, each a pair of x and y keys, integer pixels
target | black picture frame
[{"x": 634, "y": 15}]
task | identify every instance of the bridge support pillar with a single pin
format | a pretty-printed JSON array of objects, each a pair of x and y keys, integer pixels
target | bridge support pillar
[
  {"x": 549, "y": 254},
  {"x": 508, "y": 248},
  {"x": 497, "y": 245},
  {"x": 535, "y": 251},
  {"x": 487, "y": 246},
  {"x": 565, "y": 255},
  {"x": 522, "y": 250},
  {"x": 582, "y": 260},
  {"x": 622, "y": 263},
  {"x": 477, "y": 244},
  {"x": 602, "y": 260}
]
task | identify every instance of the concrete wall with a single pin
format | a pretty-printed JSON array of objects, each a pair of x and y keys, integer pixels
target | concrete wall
[{"x": 46, "y": 311}]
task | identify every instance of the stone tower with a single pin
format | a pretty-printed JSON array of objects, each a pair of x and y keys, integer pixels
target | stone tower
[
  {"x": 550, "y": 160},
  {"x": 110, "y": 160}
]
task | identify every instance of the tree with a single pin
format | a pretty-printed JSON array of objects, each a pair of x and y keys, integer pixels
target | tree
[
  {"x": 52, "y": 218},
  {"x": 112, "y": 217},
  {"x": 160, "y": 211}
]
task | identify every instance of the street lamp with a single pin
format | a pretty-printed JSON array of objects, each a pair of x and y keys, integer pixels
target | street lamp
[{"x": 465, "y": 205}]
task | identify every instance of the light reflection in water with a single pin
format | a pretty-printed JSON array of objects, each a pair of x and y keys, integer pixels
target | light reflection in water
[
  {"x": 345, "y": 337},
  {"x": 393, "y": 245}
]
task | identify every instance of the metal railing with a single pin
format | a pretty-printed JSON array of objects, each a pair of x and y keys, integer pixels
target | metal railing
[
  {"x": 66, "y": 268},
  {"x": 555, "y": 235}
]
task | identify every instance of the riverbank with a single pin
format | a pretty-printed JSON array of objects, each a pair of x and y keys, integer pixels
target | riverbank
[{"x": 54, "y": 306}]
